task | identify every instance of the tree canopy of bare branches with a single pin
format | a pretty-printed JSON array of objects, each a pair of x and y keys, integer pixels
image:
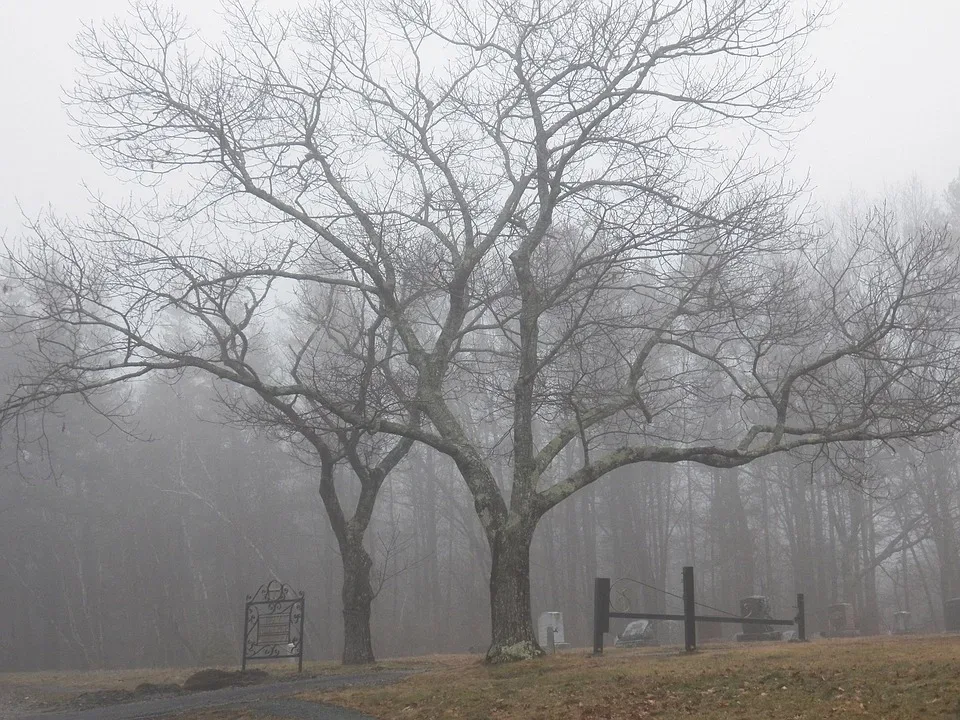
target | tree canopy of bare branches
[{"x": 539, "y": 238}]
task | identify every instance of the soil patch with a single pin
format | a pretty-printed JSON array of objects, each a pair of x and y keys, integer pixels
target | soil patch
[
  {"x": 99, "y": 698},
  {"x": 214, "y": 679}
]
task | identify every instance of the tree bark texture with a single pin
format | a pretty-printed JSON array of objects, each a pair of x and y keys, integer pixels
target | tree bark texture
[
  {"x": 357, "y": 592},
  {"x": 357, "y": 595},
  {"x": 514, "y": 637}
]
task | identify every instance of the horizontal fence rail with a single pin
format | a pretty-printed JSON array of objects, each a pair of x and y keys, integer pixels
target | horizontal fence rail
[
  {"x": 701, "y": 618},
  {"x": 602, "y": 614}
]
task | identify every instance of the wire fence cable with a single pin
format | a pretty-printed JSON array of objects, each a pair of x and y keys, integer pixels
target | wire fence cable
[{"x": 671, "y": 594}]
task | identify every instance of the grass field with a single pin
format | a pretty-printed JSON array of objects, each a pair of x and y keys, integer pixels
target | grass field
[
  {"x": 889, "y": 677},
  {"x": 902, "y": 677}
]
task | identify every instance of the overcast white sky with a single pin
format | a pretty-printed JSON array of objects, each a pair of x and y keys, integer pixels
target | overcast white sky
[{"x": 893, "y": 111}]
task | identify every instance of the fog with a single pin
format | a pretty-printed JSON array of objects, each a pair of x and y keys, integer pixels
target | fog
[
  {"x": 890, "y": 115},
  {"x": 225, "y": 372},
  {"x": 143, "y": 555}
]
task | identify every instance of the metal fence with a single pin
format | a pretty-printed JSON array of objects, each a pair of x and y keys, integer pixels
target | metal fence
[{"x": 602, "y": 614}]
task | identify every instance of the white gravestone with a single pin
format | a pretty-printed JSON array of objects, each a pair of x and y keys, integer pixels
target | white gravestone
[{"x": 554, "y": 620}]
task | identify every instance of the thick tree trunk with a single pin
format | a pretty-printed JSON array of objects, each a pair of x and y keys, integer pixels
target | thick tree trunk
[
  {"x": 357, "y": 597},
  {"x": 514, "y": 637},
  {"x": 357, "y": 594}
]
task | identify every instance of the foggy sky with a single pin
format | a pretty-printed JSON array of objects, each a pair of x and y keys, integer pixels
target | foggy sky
[{"x": 894, "y": 109}]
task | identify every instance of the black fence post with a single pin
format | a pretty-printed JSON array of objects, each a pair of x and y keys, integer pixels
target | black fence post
[
  {"x": 801, "y": 619},
  {"x": 243, "y": 638},
  {"x": 601, "y": 612},
  {"x": 303, "y": 617},
  {"x": 689, "y": 611}
]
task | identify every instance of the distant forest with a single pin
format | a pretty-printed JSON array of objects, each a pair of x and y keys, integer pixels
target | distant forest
[{"x": 139, "y": 553}]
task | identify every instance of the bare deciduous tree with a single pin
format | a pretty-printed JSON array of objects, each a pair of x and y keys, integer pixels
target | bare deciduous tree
[
  {"x": 553, "y": 216},
  {"x": 153, "y": 308}
]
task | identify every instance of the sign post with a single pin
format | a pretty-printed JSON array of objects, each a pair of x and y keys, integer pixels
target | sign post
[{"x": 689, "y": 611}]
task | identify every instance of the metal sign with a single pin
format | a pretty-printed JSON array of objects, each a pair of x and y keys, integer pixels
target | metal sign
[{"x": 273, "y": 624}]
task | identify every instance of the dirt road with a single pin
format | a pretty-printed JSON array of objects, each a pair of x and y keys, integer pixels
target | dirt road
[{"x": 275, "y": 699}]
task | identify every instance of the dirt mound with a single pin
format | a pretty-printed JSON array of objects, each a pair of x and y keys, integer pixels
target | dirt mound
[
  {"x": 212, "y": 679},
  {"x": 99, "y": 698}
]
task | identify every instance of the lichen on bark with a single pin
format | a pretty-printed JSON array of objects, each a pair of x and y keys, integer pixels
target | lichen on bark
[{"x": 525, "y": 650}]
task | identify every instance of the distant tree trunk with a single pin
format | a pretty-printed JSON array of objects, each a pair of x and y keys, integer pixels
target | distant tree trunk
[
  {"x": 691, "y": 521},
  {"x": 823, "y": 553},
  {"x": 734, "y": 541},
  {"x": 50, "y": 658},
  {"x": 431, "y": 543},
  {"x": 664, "y": 524},
  {"x": 854, "y": 553},
  {"x": 904, "y": 578},
  {"x": 935, "y": 609},
  {"x": 588, "y": 526},
  {"x": 870, "y": 623},
  {"x": 832, "y": 542},
  {"x": 573, "y": 538},
  {"x": 946, "y": 537},
  {"x": 552, "y": 562},
  {"x": 768, "y": 580}
]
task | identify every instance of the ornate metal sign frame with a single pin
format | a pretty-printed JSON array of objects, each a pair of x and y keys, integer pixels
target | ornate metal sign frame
[{"x": 273, "y": 624}]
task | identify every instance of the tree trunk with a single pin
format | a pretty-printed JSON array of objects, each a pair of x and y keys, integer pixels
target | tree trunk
[
  {"x": 512, "y": 624},
  {"x": 870, "y": 620},
  {"x": 357, "y": 597},
  {"x": 357, "y": 593}
]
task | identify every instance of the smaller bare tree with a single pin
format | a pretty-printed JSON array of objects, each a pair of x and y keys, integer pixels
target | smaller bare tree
[{"x": 175, "y": 315}]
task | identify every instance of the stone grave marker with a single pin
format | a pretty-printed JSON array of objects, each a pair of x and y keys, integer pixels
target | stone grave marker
[
  {"x": 901, "y": 622},
  {"x": 555, "y": 620},
  {"x": 757, "y": 607},
  {"x": 841, "y": 622}
]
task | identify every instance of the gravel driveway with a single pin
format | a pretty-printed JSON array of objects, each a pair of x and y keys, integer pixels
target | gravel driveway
[{"x": 273, "y": 698}]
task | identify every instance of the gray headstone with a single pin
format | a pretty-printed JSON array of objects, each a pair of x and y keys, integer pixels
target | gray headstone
[
  {"x": 554, "y": 620},
  {"x": 840, "y": 618}
]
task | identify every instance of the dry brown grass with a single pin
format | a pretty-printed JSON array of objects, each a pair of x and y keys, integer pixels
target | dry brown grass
[
  {"x": 221, "y": 714},
  {"x": 892, "y": 678},
  {"x": 909, "y": 677}
]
